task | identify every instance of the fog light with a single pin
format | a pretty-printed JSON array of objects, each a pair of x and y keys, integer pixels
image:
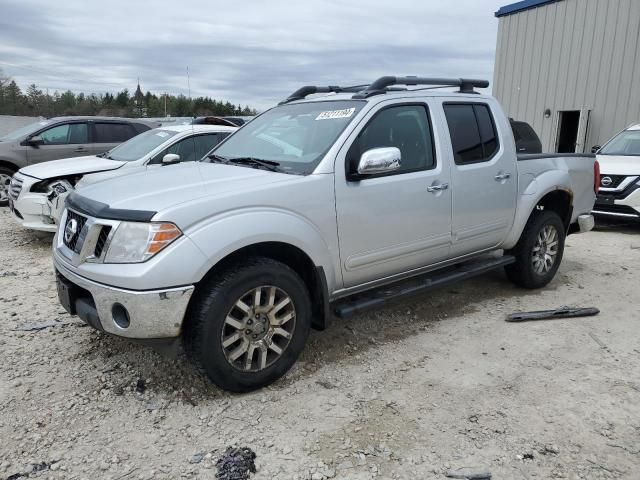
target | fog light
[{"x": 120, "y": 315}]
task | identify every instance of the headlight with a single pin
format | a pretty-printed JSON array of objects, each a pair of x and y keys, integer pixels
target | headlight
[{"x": 135, "y": 242}]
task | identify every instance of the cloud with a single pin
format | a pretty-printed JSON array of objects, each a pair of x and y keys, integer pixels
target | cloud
[{"x": 250, "y": 52}]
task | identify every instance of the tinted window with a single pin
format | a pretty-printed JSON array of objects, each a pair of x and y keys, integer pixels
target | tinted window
[
  {"x": 204, "y": 143},
  {"x": 488, "y": 134},
  {"x": 186, "y": 148},
  {"x": 406, "y": 127},
  {"x": 473, "y": 134},
  {"x": 465, "y": 134},
  {"x": 69, "y": 133},
  {"x": 113, "y": 132}
]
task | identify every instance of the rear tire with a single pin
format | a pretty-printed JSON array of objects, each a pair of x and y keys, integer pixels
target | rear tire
[
  {"x": 247, "y": 325},
  {"x": 539, "y": 251},
  {"x": 5, "y": 179}
]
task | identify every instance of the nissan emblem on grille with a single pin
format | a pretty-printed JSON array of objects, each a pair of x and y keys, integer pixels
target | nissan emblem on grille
[
  {"x": 70, "y": 230},
  {"x": 606, "y": 181}
]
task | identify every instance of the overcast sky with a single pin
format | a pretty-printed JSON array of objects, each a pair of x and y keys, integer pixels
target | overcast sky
[{"x": 251, "y": 52}]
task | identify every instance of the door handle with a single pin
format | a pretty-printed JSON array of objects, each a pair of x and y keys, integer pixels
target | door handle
[
  {"x": 502, "y": 176},
  {"x": 437, "y": 188},
  {"x": 80, "y": 149}
]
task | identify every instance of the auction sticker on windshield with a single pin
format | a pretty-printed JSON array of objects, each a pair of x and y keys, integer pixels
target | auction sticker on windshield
[{"x": 332, "y": 114}]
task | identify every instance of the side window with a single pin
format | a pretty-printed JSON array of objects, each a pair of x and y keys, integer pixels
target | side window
[
  {"x": 488, "y": 133},
  {"x": 205, "y": 143},
  {"x": 406, "y": 127},
  {"x": 185, "y": 148},
  {"x": 68, "y": 133},
  {"x": 113, "y": 132},
  {"x": 473, "y": 134}
]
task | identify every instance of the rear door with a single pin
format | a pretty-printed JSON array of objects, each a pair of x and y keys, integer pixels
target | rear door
[
  {"x": 483, "y": 178},
  {"x": 107, "y": 135},
  {"x": 63, "y": 140},
  {"x": 393, "y": 224}
]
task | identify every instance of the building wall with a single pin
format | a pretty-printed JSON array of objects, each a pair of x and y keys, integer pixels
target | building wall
[{"x": 571, "y": 55}]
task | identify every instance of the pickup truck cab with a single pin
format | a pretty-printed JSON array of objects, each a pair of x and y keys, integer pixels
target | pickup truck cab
[
  {"x": 319, "y": 207},
  {"x": 619, "y": 195}
]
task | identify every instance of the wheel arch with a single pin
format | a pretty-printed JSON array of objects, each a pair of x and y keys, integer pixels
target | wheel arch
[
  {"x": 295, "y": 258},
  {"x": 557, "y": 199},
  {"x": 9, "y": 165}
]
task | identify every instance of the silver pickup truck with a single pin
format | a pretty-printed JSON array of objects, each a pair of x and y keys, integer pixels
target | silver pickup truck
[{"x": 320, "y": 207}]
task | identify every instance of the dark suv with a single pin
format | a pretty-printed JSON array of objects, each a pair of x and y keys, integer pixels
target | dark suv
[{"x": 62, "y": 137}]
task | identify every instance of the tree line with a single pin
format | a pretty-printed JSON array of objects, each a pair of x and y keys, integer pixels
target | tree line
[{"x": 38, "y": 102}]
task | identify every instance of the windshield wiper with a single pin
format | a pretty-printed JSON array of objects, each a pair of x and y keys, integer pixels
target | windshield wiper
[
  {"x": 257, "y": 162},
  {"x": 218, "y": 158}
]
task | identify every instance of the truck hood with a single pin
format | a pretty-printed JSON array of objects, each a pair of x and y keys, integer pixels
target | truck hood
[
  {"x": 619, "y": 165},
  {"x": 155, "y": 189},
  {"x": 71, "y": 166}
]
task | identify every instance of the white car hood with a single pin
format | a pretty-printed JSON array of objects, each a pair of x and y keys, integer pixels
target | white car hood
[
  {"x": 71, "y": 166},
  {"x": 619, "y": 165}
]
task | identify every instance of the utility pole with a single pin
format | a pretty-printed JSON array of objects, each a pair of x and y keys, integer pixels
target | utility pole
[{"x": 165, "y": 104}]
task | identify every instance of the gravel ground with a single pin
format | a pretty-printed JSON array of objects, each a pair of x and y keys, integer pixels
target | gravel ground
[{"x": 411, "y": 391}]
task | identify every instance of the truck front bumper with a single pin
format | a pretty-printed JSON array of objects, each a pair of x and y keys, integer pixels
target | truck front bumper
[{"x": 133, "y": 314}]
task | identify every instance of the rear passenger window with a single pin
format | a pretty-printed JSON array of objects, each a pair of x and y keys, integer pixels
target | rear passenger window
[
  {"x": 113, "y": 132},
  {"x": 473, "y": 133},
  {"x": 406, "y": 127}
]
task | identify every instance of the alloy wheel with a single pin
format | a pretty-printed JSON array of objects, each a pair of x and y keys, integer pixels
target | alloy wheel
[
  {"x": 5, "y": 181},
  {"x": 258, "y": 328},
  {"x": 545, "y": 250}
]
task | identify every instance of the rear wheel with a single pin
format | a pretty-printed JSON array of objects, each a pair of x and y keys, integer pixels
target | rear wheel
[
  {"x": 248, "y": 325},
  {"x": 539, "y": 251},
  {"x": 5, "y": 180}
]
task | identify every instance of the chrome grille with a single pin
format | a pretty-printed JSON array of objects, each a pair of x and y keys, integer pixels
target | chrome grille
[
  {"x": 15, "y": 187},
  {"x": 74, "y": 232},
  {"x": 102, "y": 240}
]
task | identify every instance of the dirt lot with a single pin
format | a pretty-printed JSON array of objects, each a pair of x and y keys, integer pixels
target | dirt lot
[{"x": 407, "y": 392}]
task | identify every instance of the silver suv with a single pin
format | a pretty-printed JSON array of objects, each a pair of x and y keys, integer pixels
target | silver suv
[
  {"x": 61, "y": 137},
  {"x": 319, "y": 207}
]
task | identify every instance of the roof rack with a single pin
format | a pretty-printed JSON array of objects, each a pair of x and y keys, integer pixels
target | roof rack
[
  {"x": 382, "y": 84},
  {"x": 379, "y": 87},
  {"x": 302, "y": 92}
]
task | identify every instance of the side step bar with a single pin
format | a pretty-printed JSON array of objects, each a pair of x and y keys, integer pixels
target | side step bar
[{"x": 378, "y": 297}]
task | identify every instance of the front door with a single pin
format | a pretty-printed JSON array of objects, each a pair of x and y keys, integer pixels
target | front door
[
  {"x": 484, "y": 179},
  {"x": 64, "y": 140},
  {"x": 399, "y": 221}
]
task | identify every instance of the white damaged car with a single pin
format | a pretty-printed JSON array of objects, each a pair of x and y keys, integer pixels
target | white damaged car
[{"x": 37, "y": 192}]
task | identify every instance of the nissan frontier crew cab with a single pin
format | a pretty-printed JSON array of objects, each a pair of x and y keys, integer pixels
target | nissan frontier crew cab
[{"x": 319, "y": 207}]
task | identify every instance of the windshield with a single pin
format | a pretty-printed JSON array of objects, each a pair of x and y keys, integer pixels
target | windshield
[
  {"x": 21, "y": 132},
  {"x": 140, "y": 145},
  {"x": 625, "y": 143},
  {"x": 295, "y": 136}
]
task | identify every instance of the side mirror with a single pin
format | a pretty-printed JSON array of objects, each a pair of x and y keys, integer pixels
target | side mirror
[
  {"x": 379, "y": 160},
  {"x": 170, "y": 158},
  {"x": 35, "y": 141},
  {"x": 595, "y": 149}
]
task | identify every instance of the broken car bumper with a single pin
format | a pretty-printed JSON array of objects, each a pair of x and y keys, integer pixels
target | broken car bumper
[{"x": 126, "y": 313}]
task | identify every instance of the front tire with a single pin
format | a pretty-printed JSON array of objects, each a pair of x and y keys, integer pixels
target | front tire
[
  {"x": 248, "y": 325},
  {"x": 539, "y": 251},
  {"x": 5, "y": 180}
]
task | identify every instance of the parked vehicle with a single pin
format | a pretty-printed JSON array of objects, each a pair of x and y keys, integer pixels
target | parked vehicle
[
  {"x": 230, "y": 121},
  {"x": 619, "y": 160},
  {"x": 318, "y": 207},
  {"x": 37, "y": 193},
  {"x": 527, "y": 140},
  {"x": 61, "y": 137}
]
